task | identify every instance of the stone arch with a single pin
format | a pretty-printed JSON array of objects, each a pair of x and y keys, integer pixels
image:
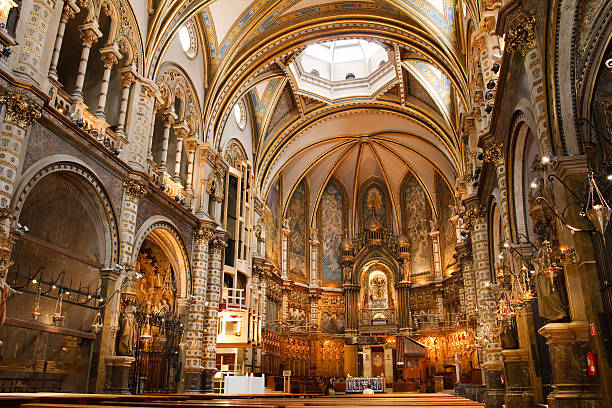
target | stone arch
[
  {"x": 88, "y": 178},
  {"x": 375, "y": 254},
  {"x": 108, "y": 7},
  {"x": 524, "y": 141},
  {"x": 177, "y": 83},
  {"x": 164, "y": 233},
  {"x": 234, "y": 153}
]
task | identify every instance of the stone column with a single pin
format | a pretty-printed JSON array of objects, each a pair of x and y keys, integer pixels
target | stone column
[
  {"x": 127, "y": 78},
  {"x": 110, "y": 56},
  {"x": 435, "y": 239},
  {"x": 314, "y": 259},
  {"x": 168, "y": 118},
  {"x": 492, "y": 365},
  {"x": 19, "y": 113},
  {"x": 134, "y": 190},
  {"x": 519, "y": 390},
  {"x": 572, "y": 388},
  {"x": 403, "y": 307},
  {"x": 285, "y": 231},
  {"x": 89, "y": 35},
  {"x": 31, "y": 50},
  {"x": 314, "y": 296},
  {"x": 191, "y": 148},
  {"x": 213, "y": 296},
  {"x": 194, "y": 364},
  {"x": 70, "y": 9},
  {"x": 177, "y": 162}
]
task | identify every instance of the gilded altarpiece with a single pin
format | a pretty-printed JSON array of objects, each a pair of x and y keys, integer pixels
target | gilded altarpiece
[
  {"x": 416, "y": 213},
  {"x": 272, "y": 222},
  {"x": 332, "y": 313},
  {"x": 445, "y": 202},
  {"x": 298, "y": 237},
  {"x": 332, "y": 223}
]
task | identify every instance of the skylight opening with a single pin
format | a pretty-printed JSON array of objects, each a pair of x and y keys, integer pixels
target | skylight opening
[{"x": 185, "y": 38}]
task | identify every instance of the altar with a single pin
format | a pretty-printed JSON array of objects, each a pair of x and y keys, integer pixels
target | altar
[{"x": 377, "y": 384}]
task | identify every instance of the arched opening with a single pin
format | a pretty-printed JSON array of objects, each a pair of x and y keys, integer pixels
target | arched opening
[
  {"x": 57, "y": 262},
  {"x": 377, "y": 303},
  {"x": 70, "y": 54}
]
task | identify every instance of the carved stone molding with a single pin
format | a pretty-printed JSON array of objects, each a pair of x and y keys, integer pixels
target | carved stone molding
[
  {"x": 20, "y": 110},
  {"x": 521, "y": 36},
  {"x": 476, "y": 215},
  {"x": 203, "y": 234}
]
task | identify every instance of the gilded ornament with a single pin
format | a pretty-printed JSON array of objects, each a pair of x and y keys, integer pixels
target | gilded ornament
[
  {"x": 127, "y": 79},
  {"x": 522, "y": 36},
  {"x": 489, "y": 24},
  {"x": 476, "y": 215},
  {"x": 88, "y": 37},
  {"x": 494, "y": 154},
  {"x": 134, "y": 190},
  {"x": 20, "y": 110},
  {"x": 203, "y": 234},
  {"x": 109, "y": 59}
]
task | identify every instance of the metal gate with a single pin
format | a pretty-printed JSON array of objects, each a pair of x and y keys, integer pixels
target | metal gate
[{"x": 157, "y": 368}]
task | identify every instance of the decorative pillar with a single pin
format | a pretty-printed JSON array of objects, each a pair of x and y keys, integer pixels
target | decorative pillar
[
  {"x": 216, "y": 248},
  {"x": 191, "y": 148},
  {"x": 194, "y": 364},
  {"x": 314, "y": 259},
  {"x": 285, "y": 231},
  {"x": 110, "y": 56},
  {"x": 127, "y": 78},
  {"x": 19, "y": 113},
  {"x": 569, "y": 344},
  {"x": 31, "y": 51},
  {"x": 134, "y": 139},
  {"x": 168, "y": 118},
  {"x": 314, "y": 296},
  {"x": 69, "y": 11},
  {"x": 492, "y": 364},
  {"x": 89, "y": 35},
  {"x": 351, "y": 290},
  {"x": 134, "y": 190},
  {"x": 435, "y": 240}
]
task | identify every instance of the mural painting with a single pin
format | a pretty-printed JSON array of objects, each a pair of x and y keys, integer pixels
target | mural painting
[
  {"x": 374, "y": 202},
  {"x": 272, "y": 227},
  {"x": 331, "y": 227},
  {"x": 445, "y": 203},
  {"x": 417, "y": 215},
  {"x": 296, "y": 214}
]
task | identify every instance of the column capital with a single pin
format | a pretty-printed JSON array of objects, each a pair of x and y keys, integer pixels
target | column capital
[
  {"x": 476, "y": 214},
  {"x": 204, "y": 233},
  {"x": 134, "y": 189},
  {"x": 69, "y": 11},
  {"x": 168, "y": 117},
  {"x": 181, "y": 130},
  {"x": 219, "y": 242},
  {"x": 90, "y": 33},
  {"x": 110, "y": 55},
  {"x": 127, "y": 78},
  {"x": 20, "y": 110}
]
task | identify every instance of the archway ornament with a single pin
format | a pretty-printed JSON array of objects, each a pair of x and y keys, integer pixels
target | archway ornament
[
  {"x": 174, "y": 82},
  {"x": 68, "y": 164},
  {"x": 234, "y": 153},
  {"x": 124, "y": 27},
  {"x": 228, "y": 87},
  {"x": 377, "y": 254},
  {"x": 179, "y": 258},
  {"x": 270, "y": 155}
]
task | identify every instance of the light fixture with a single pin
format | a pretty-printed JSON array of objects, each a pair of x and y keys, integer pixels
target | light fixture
[
  {"x": 495, "y": 68},
  {"x": 488, "y": 108},
  {"x": 535, "y": 183},
  {"x": 489, "y": 96},
  {"x": 97, "y": 324},
  {"x": 548, "y": 158},
  {"x": 491, "y": 84},
  {"x": 598, "y": 214},
  {"x": 507, "y": 244}
]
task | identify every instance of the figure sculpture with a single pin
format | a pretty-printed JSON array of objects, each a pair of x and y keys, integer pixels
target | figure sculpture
[
  {"x": 549, "y": 302},
  {"x": 128, "y": 334}
]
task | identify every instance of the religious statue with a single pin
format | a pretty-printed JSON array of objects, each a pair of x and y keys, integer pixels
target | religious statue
[
  {"x": 458, "y": 368},
  {"x": 549, "y": 302},
  {"x": 5, "y": 292},
  {"x": 128, "y": 335},
  {"x": 374, "y": 200}
]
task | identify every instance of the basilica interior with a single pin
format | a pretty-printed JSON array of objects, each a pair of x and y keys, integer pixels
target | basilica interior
[{"x": 409, "y": 198}]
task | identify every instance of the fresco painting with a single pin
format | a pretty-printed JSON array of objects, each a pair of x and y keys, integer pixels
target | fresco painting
[
  {"x": 331, "y": 210},
  {"x": 296, "y": 214},
  {"x": 272, "y": 227},
  {"x": 445, "y": 204},
  {"x": 417, "y": 216}
]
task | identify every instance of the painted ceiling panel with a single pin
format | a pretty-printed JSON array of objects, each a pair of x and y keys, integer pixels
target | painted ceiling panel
[
  {"x": 304, "y": 4},
  {"x": 225, "y": 13}
]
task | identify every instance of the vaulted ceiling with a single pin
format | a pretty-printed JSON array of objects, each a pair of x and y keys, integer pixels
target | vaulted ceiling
[{"x": 408, "y": 122}]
